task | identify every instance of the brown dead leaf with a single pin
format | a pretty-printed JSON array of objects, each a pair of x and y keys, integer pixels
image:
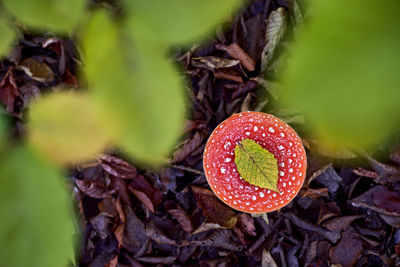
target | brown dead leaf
[
  {"x": 347, "y": 251},
  {"x": 246, "y": 223},
  {"x": 94, "y": 189},
  {"x": 144, "y": 199},
  {"x": 212, "y": 208},
  {"x": 189, "y": 146},
  {"x": 119, "y": 231},
  {"x": 8, "y": 90},
  {"x": 315, "y": 193},
  {"x": 29, "y": 92},
  {"x": 340, "y": 223},
  {"x": 118, "y": 167},
  {"x": 331, "y": 236},
  {"x": 179, "y": 214},
  {"x": 327, "y": 210},
  {"x": 381, "y": 199},
  {"x": 113, "y": 262},
  {"x": 135, "y": 232},
  {"x": 235, "y": 51},
  {"x": 276, "y": 28},
  {"x": 70, "y": 79},
  {"x": 365, "y": 173},
  {"x": 228, "y": 75},
  {"x": 212, "y": 62},
  {"x": 108, "y": 206},
  {"x": 37, "y": 69},
  {"x": 145, "y": 192}
]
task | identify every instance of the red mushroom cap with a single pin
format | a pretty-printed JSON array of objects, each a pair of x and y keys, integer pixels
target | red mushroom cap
[{"x": 271, "y": 134}]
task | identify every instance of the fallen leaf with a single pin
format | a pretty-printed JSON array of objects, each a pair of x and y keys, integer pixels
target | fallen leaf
[
  {"x": 235, "y": 51},
  {"x": 9, "y": 90},
  {"x": 205, "y": 227},
  {"x": 221, "y": 238},
  {"x": 29, "y": 92},
  {"x": 118, "y": 167},
  {"x": 267, "y": 260},
  {"x": 179, "y": 214},
  {"x": 315, "y": 193},
  {"x": 94, "y": 189},
  {"x": 246, "y": 223},
  {"x": 144, "y": 199},
  {"x": 145, "y": 192},
  {"x": 189, "y": 146},
  {"x": 380, "y": 199},
  {"x": 212, "y": 208},
  {"x": 333, "y": 237},
  {"x": 135, "y": 232},
  {"x": 228, "y": 75},
  {"x": 212, "y": 62},
  {"x": 100, "y": 224},
  {"x": 37, "y": 70},
  {"x": 340, "y": 223},
  {"x": 276, "y": 29},
  {"x": 330, "y": 179},
  {"x": 328, "y": 210},
  {"x": 347, "y": 251},
  {"x": 157, "y": 260}
]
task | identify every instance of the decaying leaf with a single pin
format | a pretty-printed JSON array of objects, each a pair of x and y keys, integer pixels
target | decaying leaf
[
  {"x": 340, "y": 223},
  {"x": 37, "y": 70},
  {"x": 214, "y": 210},
  {"x": 8, "y": 90},
  {"x": 147, "y": 194},
  {"x": 381, "y": 199},
  {"x": 267, "y": 260},
  {"x": 276, "y": 28},
  {"x": 347, "y": 251},
  {"x": 212, "y": 62},
  {"x": 235, "y": 51},
  {"x": 118, "y": 167}
]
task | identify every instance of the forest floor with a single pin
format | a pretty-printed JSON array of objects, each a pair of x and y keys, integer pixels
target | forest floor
[{"x": 347, "y": 213}]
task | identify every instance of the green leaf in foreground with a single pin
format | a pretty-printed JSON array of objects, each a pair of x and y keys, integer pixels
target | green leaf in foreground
[
  {"x": 37, "y": 225},
  {"x": 343, "y": 71},
  {"x": 7, "y": 36},
  {"x": 256, "y": 165},
  {"x": 65, "y": 127},
  {"x": 177, "y": 21},
  {"x": 138, "y": 90},
  {"x": 54, "y": 15}
]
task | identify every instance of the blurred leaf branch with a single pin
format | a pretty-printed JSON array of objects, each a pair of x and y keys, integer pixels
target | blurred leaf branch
[
  {"x": 342, "y": 71},
  {"x": 135, "y": 100}
]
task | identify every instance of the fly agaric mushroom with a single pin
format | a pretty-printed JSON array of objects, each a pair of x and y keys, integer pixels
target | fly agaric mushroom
[{"x": 254, "y": 162}]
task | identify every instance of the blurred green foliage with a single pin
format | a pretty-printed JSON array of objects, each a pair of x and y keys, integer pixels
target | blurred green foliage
[
  {"x": 138, "y": 91},
  {"x": 53, "y": 15},
  {"x": 343, "y": 71},
  {"x": 37, "y": 227},
  {"x": 62, "y": 125},
  {"x": 7, "y": 36},
  {"x": 136, "y": 101},
  {"x": 176, "y": 21}
]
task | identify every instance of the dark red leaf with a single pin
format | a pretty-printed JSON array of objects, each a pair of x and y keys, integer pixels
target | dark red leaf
[
  {"x": 146, "y": 192},
  {"x": 340, "y": 223},
  {"x": 347, "y": 251},
  {"x": 189, "y": 146},
  {"x": 118, "y": 167},
  {"x": 212, "y": 208},
  {"x": 8, "y": 90},
  {"x": 235, "y": 51}
]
